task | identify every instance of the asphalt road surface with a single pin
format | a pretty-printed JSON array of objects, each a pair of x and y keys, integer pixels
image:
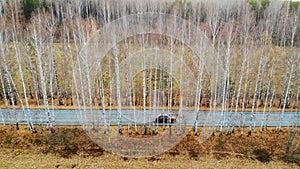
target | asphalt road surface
[{"x": 139, "y": 117}]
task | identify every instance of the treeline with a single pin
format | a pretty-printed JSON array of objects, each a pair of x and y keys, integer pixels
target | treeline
[{"x": 103, "y": 11}]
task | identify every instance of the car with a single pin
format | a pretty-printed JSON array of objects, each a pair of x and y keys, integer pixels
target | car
[{"x": 165, "y": 118}]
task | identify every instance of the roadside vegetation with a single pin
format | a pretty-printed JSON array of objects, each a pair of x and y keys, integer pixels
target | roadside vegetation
[{"x": 70, "y": 147}]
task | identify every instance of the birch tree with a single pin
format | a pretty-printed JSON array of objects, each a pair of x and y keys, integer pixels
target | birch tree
[{"x": 38, "y": 41}]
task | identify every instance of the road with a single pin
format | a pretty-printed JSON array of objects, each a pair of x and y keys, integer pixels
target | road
[{"x": 205, "y": 118}]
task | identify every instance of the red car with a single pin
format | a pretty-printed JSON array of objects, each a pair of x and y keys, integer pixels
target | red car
[{"x": 165, "y": 118}]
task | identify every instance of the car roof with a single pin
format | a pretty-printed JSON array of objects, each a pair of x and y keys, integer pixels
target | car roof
[{"x": 163, "y": 114}]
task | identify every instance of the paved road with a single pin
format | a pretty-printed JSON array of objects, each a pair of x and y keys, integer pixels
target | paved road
[{"x": 205, "y": 118}]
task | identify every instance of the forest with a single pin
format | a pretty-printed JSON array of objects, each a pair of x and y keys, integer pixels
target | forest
[{"x": 250, "y": 58}]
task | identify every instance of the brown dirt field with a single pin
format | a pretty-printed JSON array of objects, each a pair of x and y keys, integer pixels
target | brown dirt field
[{"x": 70, "y": 147}]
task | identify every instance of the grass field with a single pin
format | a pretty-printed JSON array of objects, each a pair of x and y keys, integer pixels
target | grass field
[{"x": 70, "y": 147}]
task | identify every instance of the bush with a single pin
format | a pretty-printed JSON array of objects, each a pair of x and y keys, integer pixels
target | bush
[
  {"x": 262, "y": 155},
  {"x": 292, "y": 159},
  {"x": 7, "y": 139}
]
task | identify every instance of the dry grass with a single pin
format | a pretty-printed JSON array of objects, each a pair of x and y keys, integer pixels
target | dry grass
[
  {"x": 33, "y": 105},
  {"x": 70, "y": 147},
  {"x": 27, "y": 159},
  {"x": 202, "y": 108}
]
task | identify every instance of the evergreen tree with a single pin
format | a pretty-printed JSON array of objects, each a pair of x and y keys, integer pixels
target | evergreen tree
[{"x": 29, "y": 6}]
